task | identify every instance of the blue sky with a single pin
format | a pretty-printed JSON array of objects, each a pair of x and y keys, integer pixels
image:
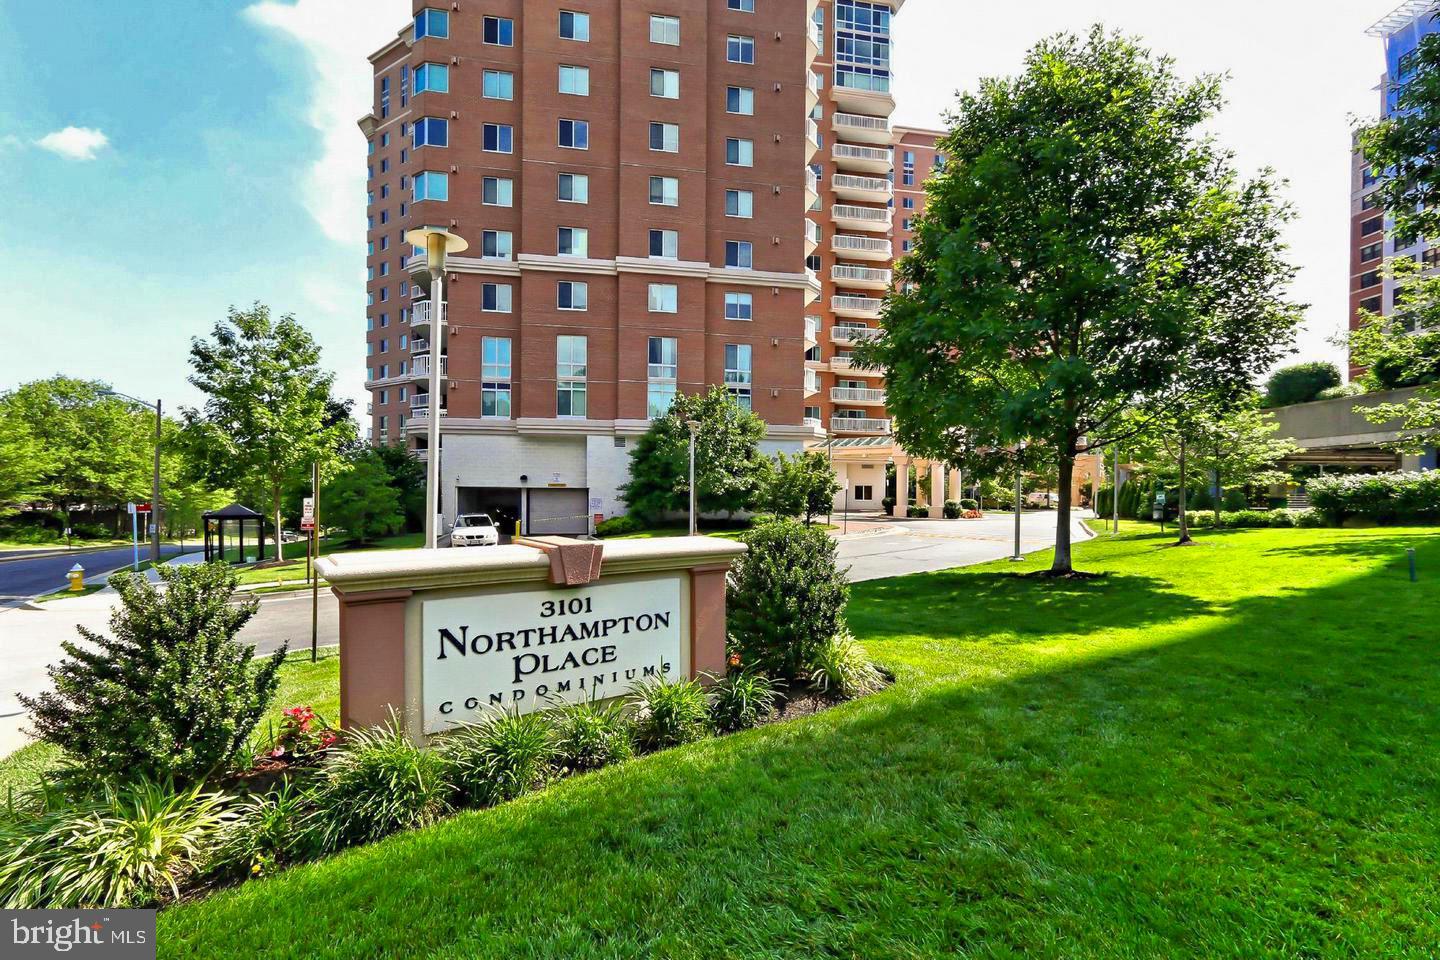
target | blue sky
[{"x": 232, "y": 170}]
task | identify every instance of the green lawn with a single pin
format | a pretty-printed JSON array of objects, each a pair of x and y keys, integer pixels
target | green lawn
[
  {"x": 1222, "y": 750},
  {"x": 293, "y": 571},
  {"x": 301, "y": 683}
]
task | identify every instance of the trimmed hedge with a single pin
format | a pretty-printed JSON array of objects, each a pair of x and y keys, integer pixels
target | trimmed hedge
[
  {"x": 1386, "y": 498},
  {"x": 619, "y": 526},
  {"x": 1251, "y": 518}
]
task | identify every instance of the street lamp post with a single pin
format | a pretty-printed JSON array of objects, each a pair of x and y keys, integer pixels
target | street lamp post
[
  {"x": 694, "y": 427},
  {"x": 158, "y": 407},
  {"x": 437, "y": 243},
  {"x": 1019, "y": 492},
  {"x": 1115, "y": 491}
]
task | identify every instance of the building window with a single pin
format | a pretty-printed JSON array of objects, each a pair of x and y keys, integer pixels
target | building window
[
  {"x": 432, "y": 78},
  {"x": 737, "y": 372},
  {"x": 431, "y": 185},
  {"x": 862, "y": 45},
  {"x": 1371, "y": 304},
  {"x": 432, "y": 23},
  {"x": 570, "y": 373},
  {"x": 740, "y": 100},
  {"x": 496, "y": 244},
  {"x": 499, "y": 31},
  {"x": 1370, "y": 279},
  {"x": 574, "y": 26},
  {"x": 739, "y": 153},
  {"x": 740, "y": 49},
  {"x": 575, "y": 134},
  {"x": 739, "y": 306},
  {"x": 574, "y": 188},
  {"x": 495, "y": 297},
  {"x": 575, "y": 80},
  {"x": 1373, "y": 225},
  {"x": 665, "y": 191},
  {"x": 665, "y": 244},
  {"x": 497, "y": 191},
  {"x": 572, "y": 242},
  {"x": 498, "y": 85},
  {"x": 739, "y": 203},
  {"x": 431, "y": 132},
  {"x": 665, "y": 137},
  {"x": 739, "y": 254},
  {"x": 384, "y": 97},
  {"x": 665, "y": 83},
  {"x": 664, "y": 298},
  {"x": 665, "y": 30},
  {"x": 499, "y": 138},
  {"x": 572, "y": 295},
  {"x": 864, "y": 491},
  {"x": 661, "y": 375},
  {"x": 1373, "y": 252},
  {"x": 744, "y": 6},
  {"x": 1369, "y": 202},
  {"x": 495, "y": 377},
  {"x": 908, "y": 203}
]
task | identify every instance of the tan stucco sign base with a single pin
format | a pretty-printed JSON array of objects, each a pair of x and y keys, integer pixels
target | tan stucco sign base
[{"x": 444, "y": 637}]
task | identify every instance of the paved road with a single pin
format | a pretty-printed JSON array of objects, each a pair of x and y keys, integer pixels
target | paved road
[
  {"x": 21, "y": 579},
  {"x": 922, "y": 546}
]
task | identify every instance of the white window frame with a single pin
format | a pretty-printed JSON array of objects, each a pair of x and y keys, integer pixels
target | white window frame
[
  {"x": 577, "y": 17},
  {"x": 665, "y": 29},
  {"x": 669, "y": 81},
  {"x": 664, "y": 298},
  {"x": 744, "y": 152},
  {"x": 670, "y": 236},
  {"x": 579, "y": 80},
  {"x": 582, "y": 180},
  {"x": 669, "y": 137},
  {"x": 738, "y": 302},
  {"x": 744, "y": 204},
  {"x": 504, "y": 297},
  {"x": 504, "y": 191},
  {"x": 669, "y": 191},
  {"x": 579, "y": 292},
  {"x": 579, "y": 240}
]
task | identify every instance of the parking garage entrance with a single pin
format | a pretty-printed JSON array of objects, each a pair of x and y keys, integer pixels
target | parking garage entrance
[{"x": 501, "y": 503}]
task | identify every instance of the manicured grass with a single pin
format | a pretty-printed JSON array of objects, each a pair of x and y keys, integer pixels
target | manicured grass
[
  {"x": 1220, "y": 750},
  {"x": 293, "y": 571},
  {"x": 88, "y": 589},
  {"x": 301, "y": 683}
]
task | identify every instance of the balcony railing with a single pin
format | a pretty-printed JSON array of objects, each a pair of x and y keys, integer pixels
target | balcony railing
[
  {"x": 845, "y": 211},
  {"x": 812, "y": 422},
  {"x": 843, "y": 273},
  {"x": 856, "y": 395},
  {"x": 812, "y": 383},
  {"x": 421, "y": 313},
  {"x": 861, "y": 247},
  {"x": 859, "y": 425},
  {"x": 854, "y": 126},
  {"x": 812, "y": 329},
  {"x": 812, "y": 82},
  {"x": 867, "y": 305},
  {"x": 844, "y": 333},
  {"x": 812, "y": 130},
  {"x": 849, "y": 183},
  {"x": 869, "y": 159},
  {"x": 812, "y": 231},
  {"x": 419, "y": 345},
  {"x": 420, "y": 405},
  {"x": 812, "y": 181},
  {"x": 420, "y": 367}
]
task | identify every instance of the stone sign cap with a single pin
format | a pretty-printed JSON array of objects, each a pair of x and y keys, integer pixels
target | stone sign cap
[{"x": 573, "y": 563}]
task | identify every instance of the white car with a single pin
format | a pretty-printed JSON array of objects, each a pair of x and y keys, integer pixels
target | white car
[{"x": 474, "y": 530}]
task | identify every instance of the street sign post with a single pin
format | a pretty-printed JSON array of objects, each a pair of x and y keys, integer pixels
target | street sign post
[{"x": 135, "y": 535}]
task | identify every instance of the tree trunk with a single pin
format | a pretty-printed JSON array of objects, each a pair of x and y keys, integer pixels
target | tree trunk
[
  {"x": 1184, "y": 522},
  {"x": 1061, "y": 566},
  {"x": 1219, "y": 488},
  {"x": 275, "y": 507}
]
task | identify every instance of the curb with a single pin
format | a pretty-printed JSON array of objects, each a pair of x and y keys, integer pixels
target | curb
[{"x": 47, "y": 554}]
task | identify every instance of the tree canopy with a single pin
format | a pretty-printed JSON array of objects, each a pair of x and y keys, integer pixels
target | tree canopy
[
  {"x": 1085, "y": 251},
  {"x": 268, "y": 413},
  {"x": 1300, "y": 383}
]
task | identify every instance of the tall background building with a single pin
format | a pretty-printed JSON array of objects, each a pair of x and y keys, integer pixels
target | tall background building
[
  {"x": 632, "y": 181},
  {"x": 1371, "y": 243}
]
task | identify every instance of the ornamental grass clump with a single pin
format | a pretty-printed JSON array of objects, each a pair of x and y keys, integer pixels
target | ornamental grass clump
[
  {"x": 669, "y": 712},
  {"x": 375, "y": 784},
  {"x": 122, "y": 846},
  {"x": 591, "y": 735},
  {"x": 741, "y": 701},
  {"x": 503, "y": 757},
  {"x": 842, "y": 668},
  {"x": 170, "y": 695},
  {"x": 266, "y": 833}
]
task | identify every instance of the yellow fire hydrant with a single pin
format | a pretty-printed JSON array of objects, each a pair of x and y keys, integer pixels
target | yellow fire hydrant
[{"x": 77, "y": 578}]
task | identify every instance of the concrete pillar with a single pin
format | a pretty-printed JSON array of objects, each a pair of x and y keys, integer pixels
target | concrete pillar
[
  {"x": 953, "y": 488},
  {"x": 707, "y": 621},
  {"x": 902, "y": 487},
  {"x": 372, "y": 656},
  {"x": 937, "y": 490}
]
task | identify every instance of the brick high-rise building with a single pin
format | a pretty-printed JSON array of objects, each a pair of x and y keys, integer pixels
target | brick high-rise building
[{"x": 1371, "y": 245}]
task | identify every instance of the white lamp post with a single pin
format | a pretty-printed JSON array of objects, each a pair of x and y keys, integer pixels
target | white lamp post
[
  {"x": 437, "y": 243},
  {"x": 694, "y": 426}
]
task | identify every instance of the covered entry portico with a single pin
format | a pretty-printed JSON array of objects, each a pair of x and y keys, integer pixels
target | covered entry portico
[{"x": 860, "y": 466}]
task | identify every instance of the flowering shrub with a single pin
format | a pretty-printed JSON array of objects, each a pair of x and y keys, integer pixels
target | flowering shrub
[
  {"x": 302, "y": 736},
  {"x": 972, "y": 515},
  {"x": 1383, "y": 497}
]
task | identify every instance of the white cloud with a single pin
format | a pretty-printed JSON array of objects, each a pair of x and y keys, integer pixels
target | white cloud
[
  {"x": 74, "y": 143},
  {"x": 336, "y": 36}
]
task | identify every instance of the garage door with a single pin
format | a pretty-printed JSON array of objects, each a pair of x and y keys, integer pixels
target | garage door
[{"x": 558, "y": 512}]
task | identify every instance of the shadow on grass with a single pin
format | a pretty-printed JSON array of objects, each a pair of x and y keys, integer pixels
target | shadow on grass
[
  {"x": 1247, "y": 790},
  {"x": 960, "y": 604}
]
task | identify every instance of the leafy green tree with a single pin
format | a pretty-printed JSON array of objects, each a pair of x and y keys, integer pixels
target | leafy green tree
[
  {"x": 268, "y": 413},
  {"x": 1300, "y": 383},
  {"x": 361, "y": 500},
  {"x": 23, "y": 461},
  {"x": 407, "y": 476},
  {"x": 171, "y": 694},
  {"x": 800, "y": 486},
  {"x": 1085, "y": 249},
  {"x": 1395, "y": 355},
  {"x": 729, "y": 468},
  {"x": 94, "y": 449},
  {"x": 1238, "y": 446}
]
